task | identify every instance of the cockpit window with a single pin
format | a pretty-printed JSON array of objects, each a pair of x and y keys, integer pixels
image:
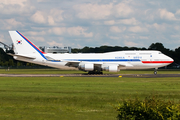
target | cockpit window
[{"x": 160, "y": 53}]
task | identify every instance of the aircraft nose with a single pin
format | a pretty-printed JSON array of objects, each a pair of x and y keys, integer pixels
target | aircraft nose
[{"x": 170, "y": 60}]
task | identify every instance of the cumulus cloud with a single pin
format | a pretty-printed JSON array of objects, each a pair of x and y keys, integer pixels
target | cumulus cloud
[
  {"x": 58, "y": 30},
  {"x": 129, "y": 43},
  {"x": 131, "y": 21},
  {"x": 39, "y": 17},
  {"x": 110, "y": 22},
  {"x": 102, "y": 11},
  {"x": 164, "y": 14},
  {"x": 137, "y": 29},
  {"x": 41, "y": 39},
  {"x": 73, "y": 31},
  {"x": 122, "y": 10},
  {"x": 90, "y": 21},
  {"x": 14, "y": 7},
  {"x": 14, "y": 23},
  {"x": 159, "y": 27},
  {"x": 51, "y": 18},
  {"x": 54, "y": 43},
  {"x": 13, "y": 2},
  {"x": 35, "y": 33},
  {"x": 117, "y": 29},
  {"x": 143, "y": 37},
  {"x": 10, "y": 24},
  {"x": 93, "y": 11}
]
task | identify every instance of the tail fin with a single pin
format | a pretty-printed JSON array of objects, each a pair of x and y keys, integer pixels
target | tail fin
[{"x": 22, "y": 45}]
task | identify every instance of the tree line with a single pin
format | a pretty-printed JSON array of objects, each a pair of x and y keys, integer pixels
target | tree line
[{"x": 6, "y": 60}]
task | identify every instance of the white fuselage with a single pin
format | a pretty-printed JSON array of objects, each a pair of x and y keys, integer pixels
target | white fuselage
[
  {"x": 123, "y": 59},
  {"x": 26, "y": 51}
]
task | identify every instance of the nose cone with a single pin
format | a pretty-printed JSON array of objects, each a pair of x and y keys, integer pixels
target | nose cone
[{"x": 170, "y": 60}]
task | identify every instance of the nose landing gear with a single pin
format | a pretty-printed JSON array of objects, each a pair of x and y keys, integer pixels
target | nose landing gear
[{"x": 155, "y": 71}]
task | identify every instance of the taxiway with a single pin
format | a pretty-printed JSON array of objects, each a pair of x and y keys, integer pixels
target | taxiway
[{"x": 87, "y": 75}]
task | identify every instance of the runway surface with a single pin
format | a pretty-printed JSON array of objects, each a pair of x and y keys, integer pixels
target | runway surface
[{"x": 87, "y": 75}]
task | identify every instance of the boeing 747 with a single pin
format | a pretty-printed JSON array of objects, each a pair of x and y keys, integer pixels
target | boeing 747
[{"x": 26, "y": 51}]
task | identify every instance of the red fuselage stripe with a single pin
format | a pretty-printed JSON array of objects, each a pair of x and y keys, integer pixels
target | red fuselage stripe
[
  {"x": 31, "y": 43},
  {"x": 157, "y": 61}
]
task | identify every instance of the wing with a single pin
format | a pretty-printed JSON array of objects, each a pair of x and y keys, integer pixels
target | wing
[{"x": 124, "y": 65}]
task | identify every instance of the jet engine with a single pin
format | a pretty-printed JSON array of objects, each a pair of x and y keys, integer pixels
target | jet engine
[
  {"x": 112, "y": 68},
  {"x": 86, "y": 67}
]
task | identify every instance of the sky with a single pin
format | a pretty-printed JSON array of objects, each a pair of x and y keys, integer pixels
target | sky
[{"x": 92, "y": 23}]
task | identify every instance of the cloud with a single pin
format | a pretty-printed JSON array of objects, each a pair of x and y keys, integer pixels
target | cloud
[
  {"x": 117, "y": 29},
  {"x": 77, "y": 31},
  {"x": 38, "y": 17},
  {"x": 13, "y": 7},
  {"x": 58, "y": 30},
  {"x": 143, "y": 37},
  {"x": 131, "y": 21},
  {"x": 35, "y": 33},
  {"x": 72, "y": 31},
  {"x": 9, "y": 24},
  {"x": 93, "y": 11},
  {"x": 41, "y": 39},
  {"x": 50, "y": 18},
  {"x": 137, "y": 29},
  {"x": 54, "y": 43},
  {"x": 128, "y": 43},
  {"x": 164, "y": 14},
  {"x": 114, "y": 38},
  {"x": 159, "y": 27},
  {"x": 14, "y": 23},
  {"x": 110, "y": 22},
  {"x": 122, "y": 10},
  {"x": 102, "y": 11},
  {"x": 55, "y": 16},
  {"x": 92, "y": 23},
  {"x": 13, "y": 2}
]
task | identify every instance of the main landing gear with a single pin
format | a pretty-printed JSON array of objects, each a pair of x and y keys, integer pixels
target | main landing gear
[
  {"x": 155, "y": 71},
  {"x": 95, "y": 72}
]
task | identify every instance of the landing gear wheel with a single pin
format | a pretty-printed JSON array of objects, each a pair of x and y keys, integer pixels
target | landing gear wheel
[
  {"x": 95, "y": 72},
  {"x": 155, "y": 71}
]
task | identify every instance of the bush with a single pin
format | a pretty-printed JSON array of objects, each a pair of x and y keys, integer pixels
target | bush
[{"x": 150, "y": 108}]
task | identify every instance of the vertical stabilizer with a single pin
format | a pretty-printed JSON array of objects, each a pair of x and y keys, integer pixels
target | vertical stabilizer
[{"x": 23, "y": 46}]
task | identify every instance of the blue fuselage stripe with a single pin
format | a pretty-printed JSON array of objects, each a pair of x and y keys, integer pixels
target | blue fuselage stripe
[
  {"x": 32, "y": 45},
  {"x": 106, "y": 60}
]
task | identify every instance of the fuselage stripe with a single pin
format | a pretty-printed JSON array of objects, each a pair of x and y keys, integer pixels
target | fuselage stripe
[
  {"x": 118, "y": 60},
  {"x": 104, "y": 60},
  {"x": 149, "y": 62},
  {"x": 37, "y": 49}
]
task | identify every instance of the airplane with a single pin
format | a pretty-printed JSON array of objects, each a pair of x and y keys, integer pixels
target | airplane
[{"x": 93, "y": 63}]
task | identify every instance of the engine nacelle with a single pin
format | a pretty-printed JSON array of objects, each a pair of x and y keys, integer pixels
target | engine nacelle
[
  {"x": 87, "y": 67},
  {"x": 112, "y": 68}
]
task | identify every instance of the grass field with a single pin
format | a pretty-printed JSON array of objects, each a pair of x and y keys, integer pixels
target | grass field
[{"x": 76, "y": 98}]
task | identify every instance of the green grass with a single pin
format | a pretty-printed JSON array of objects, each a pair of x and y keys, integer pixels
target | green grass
[
  {"x": 58, "y": 71},
  {"x": 67, "y": 98}
]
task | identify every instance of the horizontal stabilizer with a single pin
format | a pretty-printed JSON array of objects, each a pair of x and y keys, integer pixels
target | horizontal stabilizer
[{"x": 23, "y": 56}]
